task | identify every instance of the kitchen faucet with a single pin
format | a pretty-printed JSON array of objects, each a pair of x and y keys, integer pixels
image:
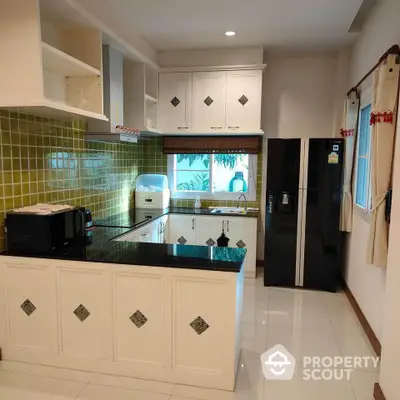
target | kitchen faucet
[{"x": 245, "y": 201}]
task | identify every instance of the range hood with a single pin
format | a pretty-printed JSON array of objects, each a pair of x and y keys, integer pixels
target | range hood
[{"x": 112, "y": 130}]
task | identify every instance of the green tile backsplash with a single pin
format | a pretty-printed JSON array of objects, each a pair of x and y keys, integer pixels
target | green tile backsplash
[{"x": 47, "y": 160}]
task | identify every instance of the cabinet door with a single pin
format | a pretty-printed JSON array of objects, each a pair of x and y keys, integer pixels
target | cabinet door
[
  {"x": 139, "y": 315},
  {"x": 30, "y": 304},
  {"x": 85, "y": 313},
  {"x": 202, "y": 328},
  {"x": 175, "y": 102},
  {"x": 154, "y": 231},
  {"x": 145, "y": 234},
  {"x": 209, "y": 229},
  {"x": 182, "y": 229},
  {"x": 243, "y": 101},
  {"x": 242, "y": 233},
  {"x": 209, "y": 98}
]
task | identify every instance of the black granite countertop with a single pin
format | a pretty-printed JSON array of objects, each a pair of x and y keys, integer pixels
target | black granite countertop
[
  {"x": 101, "y": 248},
  {"x": 208, "y": 211},
  {"x": 138, "y": 217}
]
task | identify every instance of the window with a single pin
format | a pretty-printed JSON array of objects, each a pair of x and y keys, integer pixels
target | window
[
  {"x": 212, "y": 176},
  {"x": 363, "y": 177}
]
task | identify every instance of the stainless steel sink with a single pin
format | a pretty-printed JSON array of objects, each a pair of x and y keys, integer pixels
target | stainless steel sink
[{"x": 229, "y": 210}]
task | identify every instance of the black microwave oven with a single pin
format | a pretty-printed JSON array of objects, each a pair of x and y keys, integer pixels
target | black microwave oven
[{"x": 28, "y": 233}]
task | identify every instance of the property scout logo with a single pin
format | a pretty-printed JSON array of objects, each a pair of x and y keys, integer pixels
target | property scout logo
[{"x": 279, "y": 364}]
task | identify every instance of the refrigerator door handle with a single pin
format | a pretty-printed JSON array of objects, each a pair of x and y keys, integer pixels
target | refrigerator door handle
[
  {"x": 298, "y": 237},
  {"x": 302, "y": 212},
  {"x": 303, "y": 236}
]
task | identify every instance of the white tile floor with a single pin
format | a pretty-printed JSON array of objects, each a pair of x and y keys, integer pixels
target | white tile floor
[{"x": 306, "y": 323}]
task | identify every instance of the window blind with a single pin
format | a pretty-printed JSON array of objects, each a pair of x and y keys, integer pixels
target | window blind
[{"x": 212, "y": 145}]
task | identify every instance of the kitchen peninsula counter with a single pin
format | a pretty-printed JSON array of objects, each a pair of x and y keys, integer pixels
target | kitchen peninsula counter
[
  {"x": 155, "y": 311},
  {"x": 103, "y": 249}
]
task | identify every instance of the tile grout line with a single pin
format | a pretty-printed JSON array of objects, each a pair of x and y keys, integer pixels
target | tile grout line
[
  {"x": 126, "y": 388},
  {"x": 87, "y": 384}
]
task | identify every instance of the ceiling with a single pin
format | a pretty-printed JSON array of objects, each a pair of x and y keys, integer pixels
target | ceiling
[{"x": 194, "y": 24}]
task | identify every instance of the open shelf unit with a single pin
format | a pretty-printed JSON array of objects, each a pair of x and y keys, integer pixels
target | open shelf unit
[
  {"x": 54, "y": 109},
  {"x": 141, "y": 97},
  {"x": 61, "y": 63},
  {"x": 52, "y": 64}
]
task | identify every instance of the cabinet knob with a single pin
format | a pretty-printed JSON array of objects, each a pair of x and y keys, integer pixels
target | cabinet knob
[
  {"x": 227, "y": 226},
  {"x": 181, "y": 128},
  {"x": 234, "y": 127},
  {"x": 216, "y": 127}
]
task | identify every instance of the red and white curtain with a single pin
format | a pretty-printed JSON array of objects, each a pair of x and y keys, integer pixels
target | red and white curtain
[
  {"x": 383, "y": 123},
  {"x": 348, "y": 131}
]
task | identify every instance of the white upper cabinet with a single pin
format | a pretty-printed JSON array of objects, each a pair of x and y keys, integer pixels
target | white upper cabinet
[
  {"x": 243, "y": 101},
  {"x": 175, "y": 102},
  {"x": 209, "y": 94},
  {"x": 211, "y": 102},
  {"x": 48, "y": 68}
]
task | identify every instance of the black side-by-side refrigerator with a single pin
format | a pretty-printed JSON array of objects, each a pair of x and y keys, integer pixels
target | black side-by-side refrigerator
[{"x": 303, "y": 244}]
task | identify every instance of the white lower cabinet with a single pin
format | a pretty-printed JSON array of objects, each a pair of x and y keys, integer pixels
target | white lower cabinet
[
  {"x": 208, "y": 230},
  {"x": 242, "y": 233},
  {"x": 84, "y": 299},
  {"x": 28, "y": 314},
  {"x": 195, "y": 348},
  {"x": 168, "y": 324},
  {"x": 147, "y": 234},
  {"x": 139, "y": 315},
  {"x": 182, "y": 229}
]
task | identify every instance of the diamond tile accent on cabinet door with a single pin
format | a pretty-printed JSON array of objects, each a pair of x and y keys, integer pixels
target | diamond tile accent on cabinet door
[
  {"x": 241, "y": 244},
  {"x": 81, "y": 312},
  {"x": 208, "y": 101},
  {"x": 28, "y": 307},
  {"x": 243, "y": 100},
  {"x": 199, "y": 325},
  {"x": 175, "y": 102},
  {"x": 210, "y": 242},
  {"x": 182, "y": 240},
  {"x": 138, "y": 318}
]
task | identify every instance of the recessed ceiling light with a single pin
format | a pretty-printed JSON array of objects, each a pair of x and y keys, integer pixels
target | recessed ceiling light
[{"x": 230, "y": 33}]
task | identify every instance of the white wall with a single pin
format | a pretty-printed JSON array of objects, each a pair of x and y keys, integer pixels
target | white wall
[
  {"x": 214, "y": 57},
  {"x": 299, "y": 96},
  {"x": 367, "y": 282}
]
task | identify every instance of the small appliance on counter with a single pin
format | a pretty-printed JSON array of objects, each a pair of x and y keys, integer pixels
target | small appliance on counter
[
  {"x": 44, "y": 228},
  {"x": 152, "y": 191},
  {"x": 87, "y": 224}
]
